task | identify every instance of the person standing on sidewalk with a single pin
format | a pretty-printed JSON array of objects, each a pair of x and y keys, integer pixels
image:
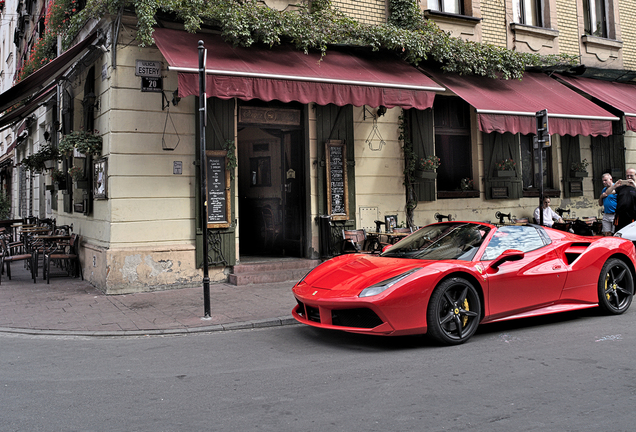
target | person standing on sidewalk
[
  {"x": 608, "y": 201},
  {"x": 625, "y": 200}
]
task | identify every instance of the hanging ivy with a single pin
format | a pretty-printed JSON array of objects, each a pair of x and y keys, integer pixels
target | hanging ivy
[{"x": 249, "y": 22}]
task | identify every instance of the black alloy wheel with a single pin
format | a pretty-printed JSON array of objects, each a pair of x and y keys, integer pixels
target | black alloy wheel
[
  {"x": 454, "y": 311},
  {"x": 615, "y": 287}
]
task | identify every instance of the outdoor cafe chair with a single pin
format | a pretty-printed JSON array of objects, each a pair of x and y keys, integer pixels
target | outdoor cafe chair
[
  {"x": 67, "y": 254},
  {"x": 12, "y": 254}
]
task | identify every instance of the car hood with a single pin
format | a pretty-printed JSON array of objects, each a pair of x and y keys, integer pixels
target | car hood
[{"x": 356, "y": 272}]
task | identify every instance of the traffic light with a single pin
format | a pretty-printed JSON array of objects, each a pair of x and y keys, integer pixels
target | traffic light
[{"x": 543, "y": 133}]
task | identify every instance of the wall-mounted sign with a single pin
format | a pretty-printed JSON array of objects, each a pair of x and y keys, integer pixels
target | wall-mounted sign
[
  {"x": 337, "y": 185},
  {"x": 177, "y": 167},
  {"x": 499, "y": 192},
  {"x": 576, "y": 186},
  {"x": 149, "y": 84},
  {"x": 147, "y": 68}
]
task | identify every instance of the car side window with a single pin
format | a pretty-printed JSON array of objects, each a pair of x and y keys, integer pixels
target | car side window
[{"x": 523, "y": 238}]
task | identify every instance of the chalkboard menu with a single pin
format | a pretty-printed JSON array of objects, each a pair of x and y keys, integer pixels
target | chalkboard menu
[
  {"x": 337, "y": 187},
  {"x": 218, "y": 189}
]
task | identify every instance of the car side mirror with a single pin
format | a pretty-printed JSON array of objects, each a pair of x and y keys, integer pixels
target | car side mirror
[
  {"x": 386, "y": 247},
  {"x": 507, "y": 255}
]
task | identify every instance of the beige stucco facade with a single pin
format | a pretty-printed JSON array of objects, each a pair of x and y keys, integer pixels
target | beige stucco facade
[{"x": 143, "y": 236}]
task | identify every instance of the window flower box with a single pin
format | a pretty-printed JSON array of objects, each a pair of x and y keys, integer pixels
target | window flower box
[
  {"x": 505, "y": 173},
  {"x": 425, "y": 174}
]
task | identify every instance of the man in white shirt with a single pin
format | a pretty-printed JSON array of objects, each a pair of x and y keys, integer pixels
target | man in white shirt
[{"x": 549, "y": 215}]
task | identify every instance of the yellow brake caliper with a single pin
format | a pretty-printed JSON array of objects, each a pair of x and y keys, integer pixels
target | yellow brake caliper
[
  {"x": 607, "y": 294},
  {"x": 466, "y": 307}
]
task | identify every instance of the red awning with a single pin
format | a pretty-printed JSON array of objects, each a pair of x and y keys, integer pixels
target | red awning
[
  {"x": 618, "y": 95},
  {"x": 284, "y": 74},
  {"x": 26, "y": 109},
  {"x": 44, "y": 76},
  {"x": 510, "y": 105}
]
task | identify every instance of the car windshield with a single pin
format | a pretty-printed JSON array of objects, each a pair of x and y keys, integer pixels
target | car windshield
[{"x": 444, "y": 241}]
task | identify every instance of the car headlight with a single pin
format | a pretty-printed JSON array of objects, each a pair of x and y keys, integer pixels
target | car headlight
[{"x": 385, "y": 284}]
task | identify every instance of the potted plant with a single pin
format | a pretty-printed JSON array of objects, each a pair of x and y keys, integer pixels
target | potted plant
[
  {"x": 39, "y": 161},
  {"x": 426, "y": 167},
  {"x": 579, "y": 169},
  {"x": 467, "y": 184},
  {"x": 85, "y": 142},
  {"x": 505, "y": 168},
  {"x": 76, "y": 173}
]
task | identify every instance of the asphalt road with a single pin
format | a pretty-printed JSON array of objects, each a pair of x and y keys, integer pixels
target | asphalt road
[{"x": 571, "y": 372}]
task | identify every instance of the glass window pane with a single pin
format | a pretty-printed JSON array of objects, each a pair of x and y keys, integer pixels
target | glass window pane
[
  {"x": 530, "y": 164},
  {"x": 452, "y": 6},
  {"x": 434, "y": 5},
  {"x": 516, "y": 11},
  {"x": 523, "y": 238},
  {"x": 530, "y": 10}
]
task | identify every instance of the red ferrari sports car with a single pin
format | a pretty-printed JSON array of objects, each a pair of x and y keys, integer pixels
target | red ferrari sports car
[{"x": 447, "y": 278}]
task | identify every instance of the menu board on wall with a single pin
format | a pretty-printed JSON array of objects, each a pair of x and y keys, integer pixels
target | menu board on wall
[
  {"x": 337, "y": 186},
  {"x": 218, "y": 189}
]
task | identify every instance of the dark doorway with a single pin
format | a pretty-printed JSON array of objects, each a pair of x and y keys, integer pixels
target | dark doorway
[{"x": 271, "y": 182}]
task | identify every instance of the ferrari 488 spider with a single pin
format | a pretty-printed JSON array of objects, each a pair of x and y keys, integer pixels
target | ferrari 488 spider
[{"x": 447, "y": 278}]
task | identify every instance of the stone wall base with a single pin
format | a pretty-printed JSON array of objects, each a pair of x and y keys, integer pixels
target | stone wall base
[{"x": 132, "y": 270}]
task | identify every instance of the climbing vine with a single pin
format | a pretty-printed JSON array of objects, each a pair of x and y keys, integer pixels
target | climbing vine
[
  {"x": 319, "y": 24},
  {"x": 311, "y": 27}
]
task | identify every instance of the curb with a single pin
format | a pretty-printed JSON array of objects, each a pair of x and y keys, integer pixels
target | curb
[{"x": 261, "y": 323}]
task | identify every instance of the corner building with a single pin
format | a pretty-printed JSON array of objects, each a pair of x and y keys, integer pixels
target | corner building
[{"x": 317, "y": 144}]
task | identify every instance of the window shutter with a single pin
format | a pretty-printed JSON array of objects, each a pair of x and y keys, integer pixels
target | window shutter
[
  {"x": 608, "y": 156},
  {"x": 570, "y": 153},
  {"x": 498, "y": 147},
  {"x": 221, "y": 242},
  {"x": 421, "y": 127},
  {"x": 335, "y": 123}
]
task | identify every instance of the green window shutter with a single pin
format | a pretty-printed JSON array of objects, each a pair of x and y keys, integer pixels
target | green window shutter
[
  {"x": 570, "y": 153},
  {"x": 420, "y": 125},
  {"x": 498, "y": 147},
  {"x": 608, "y": 156},
  {"x": 335, "y": 123},
  {"x": 221, "y": 242}
]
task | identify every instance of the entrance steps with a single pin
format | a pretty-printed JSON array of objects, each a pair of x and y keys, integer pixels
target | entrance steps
[{"x": 256, "y": 270}]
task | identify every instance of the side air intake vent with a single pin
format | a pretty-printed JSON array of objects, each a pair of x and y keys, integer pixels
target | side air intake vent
[{"x": 574, "y": 251}]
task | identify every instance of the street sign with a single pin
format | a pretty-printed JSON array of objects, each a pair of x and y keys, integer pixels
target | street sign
[
  {"x": 146, "y": 68},
  {"x": 149, "y": 84}
]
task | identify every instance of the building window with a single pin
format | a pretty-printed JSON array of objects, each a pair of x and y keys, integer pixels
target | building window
[
  {"x": 452, "y": 142},
  {"x": 530, "y": 165},
  {"x": 527, "y": 12},
  {"x": 595, "y": 15},
  {"x": 449, "y": 6}
]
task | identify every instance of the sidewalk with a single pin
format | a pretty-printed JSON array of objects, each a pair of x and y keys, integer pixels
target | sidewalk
[{"x": 70, "y": 306}]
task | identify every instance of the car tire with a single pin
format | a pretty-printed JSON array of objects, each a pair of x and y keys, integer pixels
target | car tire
[
  {"x": 454, "y": 311},
  {"x": 615, "y": 287}
]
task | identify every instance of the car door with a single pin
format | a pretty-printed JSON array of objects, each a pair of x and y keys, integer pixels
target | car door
[{"x": 533, "y": 281}]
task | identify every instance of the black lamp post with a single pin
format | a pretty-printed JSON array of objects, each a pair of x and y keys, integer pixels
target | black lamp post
[{"x": 202, "y": 170}]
